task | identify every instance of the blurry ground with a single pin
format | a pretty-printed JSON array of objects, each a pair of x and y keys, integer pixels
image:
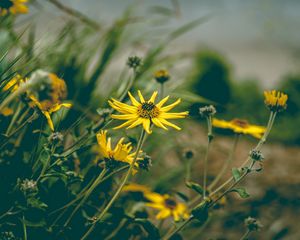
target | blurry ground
[{"x": 275, "y": 195}]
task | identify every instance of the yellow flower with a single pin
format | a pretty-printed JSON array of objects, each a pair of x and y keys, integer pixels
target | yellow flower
[
  {"x": 146, "y": 112},
  {"x": 121, "y": 152},
  {"x": 162, "y": 76},
  {"x": 6, "y": 111},
  {"x": 133, "y": 187},
  {"x": 240, "y": 126},
  {"x": 275, "y": 100},
  {"x": 49, "y": 100},
  {"x": 167, "y": 206},
  {"x": 14, "y": 83},
  {"x": 13, "y": 7}
]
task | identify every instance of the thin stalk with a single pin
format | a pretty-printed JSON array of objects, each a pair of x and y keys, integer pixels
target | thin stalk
[
  {"x": 24, "y": 228},
  {"x": 227, "y": 163},
  {"x": 45, "y": 167},
  {"x": 86, "y": 195},
  {"x": 14, "y": 118},
  {"x": 209, "y": 139},
  {"x": 168, "y": 236},
  {"x": 161, "y": 92},
  {"x": 246, "y": 235},
  {"x": 117, "y": 193}
]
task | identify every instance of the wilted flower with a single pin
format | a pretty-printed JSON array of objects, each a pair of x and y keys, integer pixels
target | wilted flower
[
  {"x": 134, "y": 62},
  {"x": 207, "y": 111},
  {"x": 146, "y": 112},
  {"x": 167, "y": 206},
  {"x": 121, "y": 153},
  {"x": 48, "y": 98},
  {"x": 253, "y": 224},
  {"x": 13, "y": 7},
  {"x": 161, "y": 76},
  {"x": 240, "y": 126},
  {"x": 256, "y": 155},
  {"x": 275, "y": 100}
]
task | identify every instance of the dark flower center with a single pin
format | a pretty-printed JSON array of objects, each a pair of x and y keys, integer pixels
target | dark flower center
[
  {"x": 170, "y": 203},
  {"x": 148, "y": 110},
  {"x": 240, "y": 123},
  {"x": 6, "y": 4}
]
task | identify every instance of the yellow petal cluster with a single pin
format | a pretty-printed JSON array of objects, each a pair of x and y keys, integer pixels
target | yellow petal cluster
[
  {"x": 275, "y": 100},
  {"x": 146, "y": 113},
  {"x": 14, "y": 83},
  {"x": 13, "y": 7},
  {"x": 121, "y": 152},
  {"x": 167, "y": 206},
  {"x": 240, "y": 126}
]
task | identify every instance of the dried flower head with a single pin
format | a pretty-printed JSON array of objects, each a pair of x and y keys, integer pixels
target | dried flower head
[
  {"x": 162, "y": 76},
  {"x": 134, "y": 62},
  {"x": 207, "y": 111},
  {"x": 104, "y": 112},
  {"x": 188, "y": 154},
  {"x": 256, "y": 155},
  {"x": 145, "y": 163},
  {"x": 56, "y": 137},
  {"x": 28, "y": 186},
  {"x": 275, "y": 100},
  {"x": 253, "y": 224},
  {"x": 13, "y": 7}
]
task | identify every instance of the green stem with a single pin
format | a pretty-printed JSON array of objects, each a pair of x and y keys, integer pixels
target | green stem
[
  {"x": 24, "y": 228},
  {"x": 182, "y": 226},
  {"x": 227, "y": 163},
  {"x": 245, "y": 236},
  {"x": 209, "y": 139},
  {"x": 14, "y": 118},
  {"x": 161, "y": 92},
  {"x": 117, "y": 193},
  {"x": 86, "y": 195}
]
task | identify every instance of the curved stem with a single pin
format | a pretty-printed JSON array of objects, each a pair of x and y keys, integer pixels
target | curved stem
[
  {"x": 86, "y": 195},
  {"x": 182, "y": 226},
  {"x": 209, "y": 139},
  {"x": 245, "y": 236},
  {"x": 117, "y": 193}
]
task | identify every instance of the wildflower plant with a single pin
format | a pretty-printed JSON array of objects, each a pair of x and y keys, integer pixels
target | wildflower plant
[{"x": 69, "y": 169}]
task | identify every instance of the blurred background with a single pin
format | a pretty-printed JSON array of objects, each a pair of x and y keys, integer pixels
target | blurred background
[{"x": 227, "y": 52}]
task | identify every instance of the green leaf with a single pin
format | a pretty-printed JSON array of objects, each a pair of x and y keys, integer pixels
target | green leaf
[
  {"x": 194, "y": 186},
  {"x": 241, "y": 191},
  {"x": 236, "y": 173},
  {"x": 200, "y": 212}
]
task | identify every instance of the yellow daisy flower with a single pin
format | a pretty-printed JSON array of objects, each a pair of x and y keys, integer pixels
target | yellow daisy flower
[
  {"x": 167, "y": 206},
  {"x": 146, "y": 112},
  {"x": 275, "y": 100},
  {"x": 49, "y": 100},
  {"x": 121, "y": 152},
  {"x": 134, "y": 187},
  {"x": 13, "y": 7},
  {"x": 240, "y": 126}
]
